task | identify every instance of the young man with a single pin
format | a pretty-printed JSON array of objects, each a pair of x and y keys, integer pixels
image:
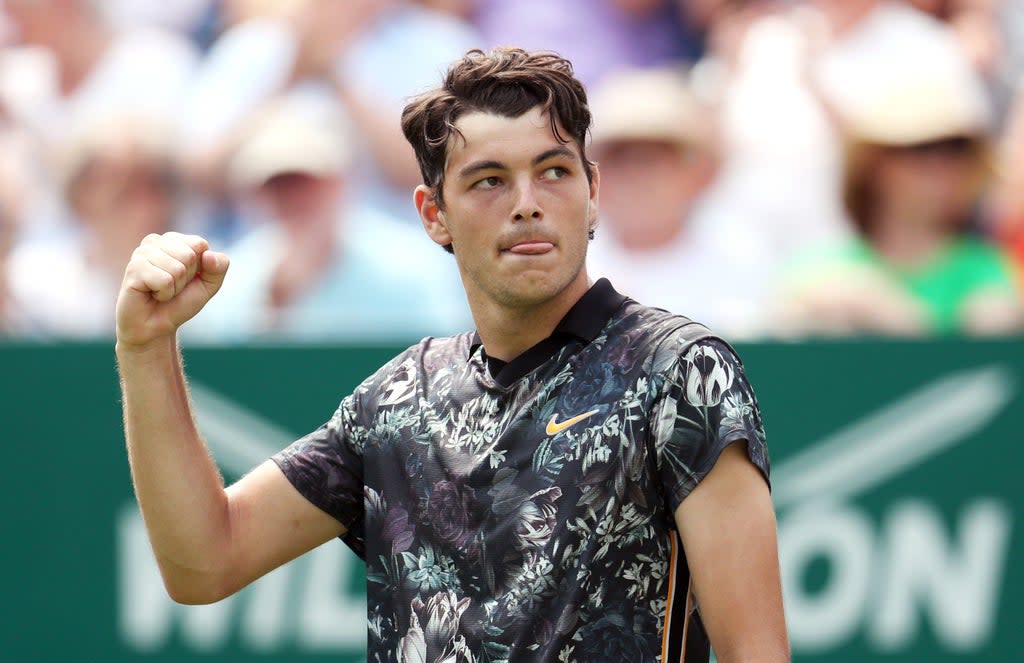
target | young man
[{"x": 542, "y": 490}]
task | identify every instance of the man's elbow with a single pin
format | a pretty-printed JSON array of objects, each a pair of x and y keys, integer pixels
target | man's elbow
[
  {"x": 191, "y": 588},
  {"x": 190, "y": 595}
]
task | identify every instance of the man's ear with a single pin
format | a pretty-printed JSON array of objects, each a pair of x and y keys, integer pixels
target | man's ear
[
  {"x": 431, "y": 215},
  {"x": 592, "y": 204}
]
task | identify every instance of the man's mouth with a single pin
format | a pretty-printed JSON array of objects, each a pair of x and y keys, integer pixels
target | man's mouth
[{"x": 530, "y": 248}]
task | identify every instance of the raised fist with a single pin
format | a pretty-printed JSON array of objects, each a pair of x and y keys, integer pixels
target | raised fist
[{"x": 168, "y": 280}]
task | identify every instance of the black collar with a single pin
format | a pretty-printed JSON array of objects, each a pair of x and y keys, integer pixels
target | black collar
[{"x": 583, "y": 322}]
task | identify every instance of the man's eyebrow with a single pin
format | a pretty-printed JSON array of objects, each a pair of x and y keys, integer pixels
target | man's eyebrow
[
  {"x": 490, "y": 164},
  {"x": 477, "y": 166},
  {"x": 560, "y": 151}
]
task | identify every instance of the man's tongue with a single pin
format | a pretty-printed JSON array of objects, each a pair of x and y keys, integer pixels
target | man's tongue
[{"x": 530, "y": 248}]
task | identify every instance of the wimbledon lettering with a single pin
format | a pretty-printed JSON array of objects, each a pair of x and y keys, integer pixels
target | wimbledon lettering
[
  {"x": 301, "y": 605},
  {"x": 883, "y": 582}
]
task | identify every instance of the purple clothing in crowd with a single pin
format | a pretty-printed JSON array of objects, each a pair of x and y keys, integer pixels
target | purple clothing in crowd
[{"x": 594, "y": 34}]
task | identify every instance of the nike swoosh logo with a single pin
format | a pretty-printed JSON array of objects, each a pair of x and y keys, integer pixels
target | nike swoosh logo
[{"x": 555, "y": 427}]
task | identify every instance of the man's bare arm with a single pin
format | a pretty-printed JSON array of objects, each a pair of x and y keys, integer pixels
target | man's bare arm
[
  {"x": 728, "y": 529},
  {"x": 209, "y": 542}
]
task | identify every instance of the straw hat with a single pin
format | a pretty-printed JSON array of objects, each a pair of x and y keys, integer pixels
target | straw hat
[
  {"x": 647, "y": 104},
  {"x": 292, "y": 135},
  {"x": 925, "y": 103}
]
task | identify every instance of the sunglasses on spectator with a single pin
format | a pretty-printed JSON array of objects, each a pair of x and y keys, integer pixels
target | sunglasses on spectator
[{"x": 956, "y": 146}]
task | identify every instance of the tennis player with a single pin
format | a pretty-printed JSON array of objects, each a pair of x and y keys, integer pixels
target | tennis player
[{"x": 583, "y": 478}]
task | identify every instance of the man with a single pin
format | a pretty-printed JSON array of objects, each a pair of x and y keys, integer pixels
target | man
[
  {"x": 520, "y": 493},
  {"x": 311, "y": 243},
  {"x": 661, "y": 238}
]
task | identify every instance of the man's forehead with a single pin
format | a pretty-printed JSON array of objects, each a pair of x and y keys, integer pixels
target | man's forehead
[{"x": 489, "y": 135}]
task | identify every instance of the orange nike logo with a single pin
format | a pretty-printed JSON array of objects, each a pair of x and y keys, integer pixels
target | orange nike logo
[{"x": 555, "y": 427}]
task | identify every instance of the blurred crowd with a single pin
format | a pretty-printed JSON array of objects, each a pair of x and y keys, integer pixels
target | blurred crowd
[{"x": 774, "y": 169}]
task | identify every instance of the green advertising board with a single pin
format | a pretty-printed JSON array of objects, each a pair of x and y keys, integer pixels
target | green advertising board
[{"x": 894, "y": 469}]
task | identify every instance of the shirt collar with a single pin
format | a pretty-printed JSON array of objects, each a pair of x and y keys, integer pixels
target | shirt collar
[{"x": 586, "y": 318}]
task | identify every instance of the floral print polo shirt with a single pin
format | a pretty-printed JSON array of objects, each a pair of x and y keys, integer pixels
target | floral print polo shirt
[{"x": 524, "y": 511}]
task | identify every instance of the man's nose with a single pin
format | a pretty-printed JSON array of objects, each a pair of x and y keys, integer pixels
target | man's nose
[{"x": 527, "y": 205}]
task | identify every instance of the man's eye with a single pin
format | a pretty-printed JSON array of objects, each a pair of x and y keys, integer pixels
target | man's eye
[
  {"x": 555, "y": 173},
  {"x": 487, "y": 183}
]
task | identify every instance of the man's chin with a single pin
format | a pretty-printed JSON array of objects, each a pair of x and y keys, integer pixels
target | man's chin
[{"x": 534, "y": 288}]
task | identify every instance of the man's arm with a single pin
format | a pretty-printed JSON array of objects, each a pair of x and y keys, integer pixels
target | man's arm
[
  {"x": 209, "y": 542},
  {"x": 727, "y": 525}
]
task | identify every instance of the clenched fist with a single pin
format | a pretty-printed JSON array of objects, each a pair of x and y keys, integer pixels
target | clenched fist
[{"x": 168, "y": 280}]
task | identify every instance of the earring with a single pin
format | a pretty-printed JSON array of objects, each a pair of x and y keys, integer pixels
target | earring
[{"x": 590, "y": 234}]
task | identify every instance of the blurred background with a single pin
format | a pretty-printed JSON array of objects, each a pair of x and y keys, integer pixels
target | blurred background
[
  {"x": 772, "y": 169},
  {"x": 837, "y": 186}
]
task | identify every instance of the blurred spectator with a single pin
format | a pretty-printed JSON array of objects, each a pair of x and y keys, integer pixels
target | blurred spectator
[
  {"x": 319, "y": 266},
  {"x": 655, "y": 144},
  {"x": 14, "y": 186},
  {"x": 404, "y": 52},
  {"x": 72, "y": 83},
  {"x": 1007, "y": 204},
  {"x": 462, "y": 9},
  {"x": 265, "y": 51},
  {"x": 1011, "y": 18},
  {"x": 596, "y": 35},
  {"x": 706, "y": 21},
  {"x": 116, "y": 178},
  {"x": 976, "y": 25},
  {"x": 182, "y": 16},
  {"x": 917, "y": 160},
  {"x": 67, "y": 68},
  {"x": 785, "y": 75},
  {"x": 83, "y": 67},
  {"x": 859, "y": 45},
  {"x": 991, "y": 35},
  {"x": 373, "y": 53},
  {"x": 780, "y": 154}
]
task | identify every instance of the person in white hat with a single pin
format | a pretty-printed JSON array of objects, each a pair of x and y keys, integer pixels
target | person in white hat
[
  {"x": 661, "y": 237},
  {"x": 313, "y": 255},
  {"x": 916, "y": 162}
]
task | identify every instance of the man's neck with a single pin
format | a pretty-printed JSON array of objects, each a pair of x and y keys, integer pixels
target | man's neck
[{"x": 507, "y": 332}]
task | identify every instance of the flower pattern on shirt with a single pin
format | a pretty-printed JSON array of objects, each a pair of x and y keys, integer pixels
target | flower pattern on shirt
[{"x": 494, "y": 526}]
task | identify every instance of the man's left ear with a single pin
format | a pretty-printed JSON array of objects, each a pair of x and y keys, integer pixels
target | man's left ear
[
  {"x": 431, "y": 215},
  {"x": 592, "y": 204}
]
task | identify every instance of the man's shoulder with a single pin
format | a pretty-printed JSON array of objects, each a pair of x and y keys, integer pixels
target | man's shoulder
[
  {"x": 425, "y": 357},
  {"x": 665, "y": 337},
  {"x": 659, "y": 324}
]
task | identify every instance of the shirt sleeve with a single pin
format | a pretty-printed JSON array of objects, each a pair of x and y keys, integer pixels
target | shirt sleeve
[
  {"x": 705, "y": 404},
  {"x": 326, "y": 466}
]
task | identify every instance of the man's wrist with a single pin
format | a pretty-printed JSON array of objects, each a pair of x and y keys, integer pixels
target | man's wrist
[{"x": 153, "y": 349}]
